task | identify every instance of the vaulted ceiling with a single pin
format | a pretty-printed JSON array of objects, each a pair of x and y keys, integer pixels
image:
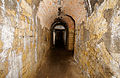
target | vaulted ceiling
[{"x": 48, "y": 10}]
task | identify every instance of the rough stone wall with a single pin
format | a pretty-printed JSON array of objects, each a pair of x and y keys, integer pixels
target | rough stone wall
[
  {"x": 97, "y": 45},
  {"x": 23, "y": 42}
]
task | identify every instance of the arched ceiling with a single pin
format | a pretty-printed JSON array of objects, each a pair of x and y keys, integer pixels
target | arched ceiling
[{"x": 48, "y": 11}]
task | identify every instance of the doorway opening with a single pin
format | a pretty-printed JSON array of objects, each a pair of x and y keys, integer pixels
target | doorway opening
[
  {"x": 59, "y": 36},
  {"x": 59, "y": 31}
]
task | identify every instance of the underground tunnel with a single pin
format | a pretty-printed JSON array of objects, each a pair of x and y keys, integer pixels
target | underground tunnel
[
  {"x": 57, "y": 63},
  {"x": 59, "y": 39}
]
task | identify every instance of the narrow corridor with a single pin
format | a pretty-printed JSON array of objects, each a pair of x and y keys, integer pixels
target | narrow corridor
[
  {"x": 59, "y": 38},
  {"x": 59, "y": 64}
]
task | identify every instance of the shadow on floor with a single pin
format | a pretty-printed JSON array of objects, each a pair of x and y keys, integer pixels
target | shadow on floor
[{"x": 57, "y": 64}]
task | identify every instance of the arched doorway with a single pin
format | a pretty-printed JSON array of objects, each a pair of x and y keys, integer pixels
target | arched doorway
[
  {"x": 59, "y": 31},
  {"x": 68, "y": 24},
  {"x": 59, "y": 36}
]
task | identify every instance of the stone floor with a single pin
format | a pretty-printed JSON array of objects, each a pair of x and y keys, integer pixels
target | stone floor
[{"x": 58, "y": 64}]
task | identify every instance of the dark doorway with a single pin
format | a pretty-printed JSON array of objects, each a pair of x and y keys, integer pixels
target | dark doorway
[{"x": 59, "y": 36}]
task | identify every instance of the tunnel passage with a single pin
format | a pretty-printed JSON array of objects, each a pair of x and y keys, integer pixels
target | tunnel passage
[
  {"x": 59, "y": 34},
  {"x": 59, "y": 60},
  {"x": 62, "y": 32}
]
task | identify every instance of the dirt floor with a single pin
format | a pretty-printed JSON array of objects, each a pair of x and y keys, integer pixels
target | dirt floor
[{"x": 59, "y": 63}]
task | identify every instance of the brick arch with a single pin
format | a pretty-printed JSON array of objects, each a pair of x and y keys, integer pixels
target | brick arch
[
  {"x": 71, "y": 30},
  {"x": 69, "y": 23},
  {"x": 58, "y": 21}
]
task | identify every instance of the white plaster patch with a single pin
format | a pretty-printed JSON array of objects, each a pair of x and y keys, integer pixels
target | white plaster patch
[
  {"x": 115, "y": 68},
  {"x": 15, "y": 65},
  {"x": 90, "y": 7},
  {"x": 3, "y": 56},
  {"x": 7, "y": 34},
  {"x": 115, "y": 25},
  {"x": 114, "y": 77},
  {"x": 36, "y": 21},
  {"x": 3, "y": 7},
  {"x": 7, "y": 38}
]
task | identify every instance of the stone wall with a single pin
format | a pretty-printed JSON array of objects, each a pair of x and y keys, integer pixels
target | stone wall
[
  {"x": 97, "y": 45},
  {"x": 23, "y": 42}
]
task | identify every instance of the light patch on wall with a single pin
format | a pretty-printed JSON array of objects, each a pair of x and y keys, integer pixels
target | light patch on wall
[
  {"x": 115, "y": 37},
  {"x": 36, "y": 22},
  {"x": 115, "y": 67},
  {"x": 7, "y": 38},
  {"x": 113, "y": 63},
  {"x": 15, "y": 65},
  {"x": 26, "y": 7},
  {"x": 36, "y": 52}
]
